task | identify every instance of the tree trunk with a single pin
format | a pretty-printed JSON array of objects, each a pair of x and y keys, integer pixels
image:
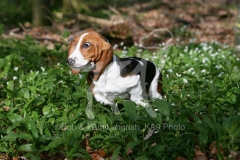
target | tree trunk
[
  {"x": 237, "y": 31},
  {"x": 40, "y": 15}
]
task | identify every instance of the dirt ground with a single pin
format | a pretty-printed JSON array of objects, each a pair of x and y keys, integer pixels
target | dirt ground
[{"x": 178, "y": 22}]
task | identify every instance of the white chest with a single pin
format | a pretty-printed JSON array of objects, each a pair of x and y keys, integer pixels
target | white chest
[{"x": 111, "y": 85}]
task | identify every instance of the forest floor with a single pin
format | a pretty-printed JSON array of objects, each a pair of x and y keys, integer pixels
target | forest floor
[{"x": 178, "y": 22}]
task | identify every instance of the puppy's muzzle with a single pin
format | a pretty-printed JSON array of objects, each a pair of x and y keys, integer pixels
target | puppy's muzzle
[{"x": 71, "y": 61}]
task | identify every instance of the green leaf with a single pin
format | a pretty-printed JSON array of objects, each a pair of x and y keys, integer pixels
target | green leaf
[
  {"x": 56, "y": 142},
  {"x": 89, "y": 112},
  {"x": 212, "y": 88},
  {"x": 207, "y": 121},
  {"x": 102, "y": 119},
  {"x": 130, "y": 109},
  {"x": 151, "y": 112},
  {"x": 158, "y": 119},
  {"x": 31, "y": 125},
  {"x": 26, "y": 94},
  {"x": 142, "y": 158},
  {"x": 40, "y": 125},
  {"x": 46, "y": 109},
  {"x": 163, "y": 107},
  {"x": 197, "y": 70},
  {"x": 133, "y": 134},
  {"x": 98, "y": 136},
  {"x": 158, "y": 148},
  {"x": 116, "y": 152},
  {"x": 15, "y": 118},
  {"x": 27, "y": 148},
  {"x": 203, "y": 138},
  {"x": 133, "y": 144},
  {"x": 39, "y": 101},
  {"x": 10, "y": 85},
  {"x": 13, "y": 136}
]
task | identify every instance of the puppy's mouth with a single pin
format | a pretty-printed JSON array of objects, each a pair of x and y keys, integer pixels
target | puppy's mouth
[{"x": 82, "y": 67}]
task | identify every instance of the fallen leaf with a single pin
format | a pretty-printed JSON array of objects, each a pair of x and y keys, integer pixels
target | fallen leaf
[
  {"x": 129, "y": 150},
  {"x": 102, "y": 153},
  {"x": 199, "y": 155}
]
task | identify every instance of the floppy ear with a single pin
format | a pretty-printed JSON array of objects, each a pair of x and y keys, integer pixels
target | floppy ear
[{"x": 106, "y": 56}]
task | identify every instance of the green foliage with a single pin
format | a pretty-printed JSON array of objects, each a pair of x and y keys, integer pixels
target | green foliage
[
  {"x": 11, "y": 11},
  {"x": 45, "y": 109}
]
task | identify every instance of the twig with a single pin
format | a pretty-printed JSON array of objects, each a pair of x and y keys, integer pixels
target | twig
[
  {"x": 152, "y": 33},
  {"x": 48, "y": 39},
  {"x": 22, "y": 27},
  {"x": 114, "y": 10},
  {"x": 14, "y": 30}
]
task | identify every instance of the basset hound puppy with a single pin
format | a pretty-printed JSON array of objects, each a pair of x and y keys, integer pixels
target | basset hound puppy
[{"x": 109, "y": 76}]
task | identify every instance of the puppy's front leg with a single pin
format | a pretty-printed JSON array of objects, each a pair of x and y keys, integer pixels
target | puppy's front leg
[
  {"x": 137, "y": 97},
  {"x": 105, "y": 101}
]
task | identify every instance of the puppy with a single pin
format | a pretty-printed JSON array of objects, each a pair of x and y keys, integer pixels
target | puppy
[{"x": 109, "y": 76}]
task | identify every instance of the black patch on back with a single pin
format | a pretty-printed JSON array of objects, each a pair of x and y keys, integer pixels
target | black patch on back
[{"x": 137, "y": 66}]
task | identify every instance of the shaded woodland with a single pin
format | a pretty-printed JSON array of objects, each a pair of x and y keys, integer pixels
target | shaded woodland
[{"x": 189, "y": 21}]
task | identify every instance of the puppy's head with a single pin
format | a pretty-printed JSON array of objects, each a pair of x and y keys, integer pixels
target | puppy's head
[{"x": 89, "y": 51}]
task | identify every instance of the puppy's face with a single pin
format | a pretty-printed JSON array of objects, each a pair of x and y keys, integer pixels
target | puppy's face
[{"x": 86, "y": 50}]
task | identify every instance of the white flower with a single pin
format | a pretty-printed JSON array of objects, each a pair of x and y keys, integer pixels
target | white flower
[
  {"x": 115, "y": 46},
  {"x": 80, "y": 76},
  {"x": 43, "y": 69},
  {"x": 140, "y": 50},
  {"x": 205, "y": 48},
  {"x": 220, "y": 75},
  {"x": 121, "y": 43},
  {"x": 170, "y": 70},
  {"x": 163, "y": 61},
  {"x": 58, "y": 64},
  {"x": 154, "y": 57},
  {"x": 214, "y": 54},
  {"x": 15, "y": 68},
  {"x": 178, "y": 75},
  {"x": 185, "y": 80},
  {"x": 218, "y": 66},
  {"x": 203, "y": 71},
  {"x": 124, "y": 47},
  {"x": 205, "y": 60},
  {"x": 190, "y": 70},
  {"x": 185, "y": 50},
  {"x": 14, "y": 77}
]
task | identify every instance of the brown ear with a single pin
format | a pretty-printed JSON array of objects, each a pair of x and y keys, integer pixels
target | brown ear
[{"x": 106, "y": 58}]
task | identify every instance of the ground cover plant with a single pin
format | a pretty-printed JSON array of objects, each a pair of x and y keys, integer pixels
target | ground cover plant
[{"x": 46, "y": 112}]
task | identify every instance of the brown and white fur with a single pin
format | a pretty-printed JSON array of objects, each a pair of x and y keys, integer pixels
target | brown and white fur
[{"x": 109, "y": 76}]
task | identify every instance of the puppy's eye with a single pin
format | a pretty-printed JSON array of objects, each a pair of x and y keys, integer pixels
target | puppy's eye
[{"x": 86, "y": 45}]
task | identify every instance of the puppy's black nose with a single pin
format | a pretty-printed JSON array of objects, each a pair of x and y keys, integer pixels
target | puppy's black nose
[{"x": 71, "y": 61}]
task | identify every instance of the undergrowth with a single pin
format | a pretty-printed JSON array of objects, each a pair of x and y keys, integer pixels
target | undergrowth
[{"x": 44, "y": 113}]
